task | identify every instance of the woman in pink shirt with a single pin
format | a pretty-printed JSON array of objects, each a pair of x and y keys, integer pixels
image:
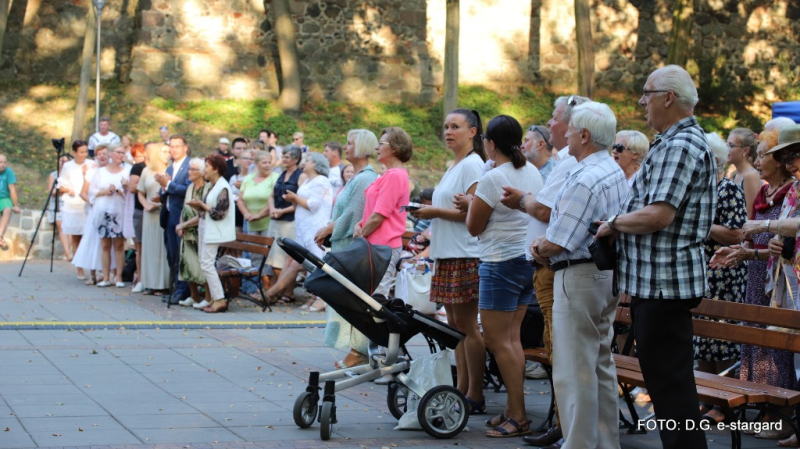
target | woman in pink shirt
[{"x": 383, "y": 222}]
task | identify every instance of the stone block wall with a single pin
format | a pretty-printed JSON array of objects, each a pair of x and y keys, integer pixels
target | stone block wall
[{"x": 20, "y": 232}]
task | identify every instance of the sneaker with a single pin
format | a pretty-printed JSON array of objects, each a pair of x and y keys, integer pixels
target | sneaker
[
  {"x": 535, "y": 371},
  {"x": 201, "y": 305},
  {"x": 383, "y": 380},
  {"x": 120, "y": 285},
  {"x": 187, "y": 302},
  {"x": 104, "y": 284},
  {"x": 138, "y": 288}
]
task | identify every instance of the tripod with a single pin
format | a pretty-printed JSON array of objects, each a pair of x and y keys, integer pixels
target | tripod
[{"x": 59, "y": 146}]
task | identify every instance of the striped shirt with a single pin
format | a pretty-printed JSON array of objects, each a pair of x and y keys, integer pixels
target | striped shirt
[
  {"x": 594, "y": 190},
  {"x": 669, "y": 264}
]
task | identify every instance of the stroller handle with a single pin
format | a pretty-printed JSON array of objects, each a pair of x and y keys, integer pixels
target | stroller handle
[{"x": 298, "y": 253}]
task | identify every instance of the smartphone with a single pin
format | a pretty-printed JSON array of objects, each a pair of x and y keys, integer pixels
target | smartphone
[{"x": 411, "y": 207}]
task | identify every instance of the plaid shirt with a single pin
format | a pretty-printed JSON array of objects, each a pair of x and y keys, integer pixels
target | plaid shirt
[
  {"x": 669, "y": 264},
  {"x": 595, "y": 188}
]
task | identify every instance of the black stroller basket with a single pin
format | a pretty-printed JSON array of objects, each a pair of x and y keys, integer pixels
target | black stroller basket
[{"x": 364, "y": 265}]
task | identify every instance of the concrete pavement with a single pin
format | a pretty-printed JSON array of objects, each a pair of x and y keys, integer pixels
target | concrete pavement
[{"x": 88, "y": 367}]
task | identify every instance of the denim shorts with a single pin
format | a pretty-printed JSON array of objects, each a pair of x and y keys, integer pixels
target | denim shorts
[{"x": 505, "y": 285}]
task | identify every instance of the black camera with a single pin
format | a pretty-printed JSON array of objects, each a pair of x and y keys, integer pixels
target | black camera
[{"x": 58, "y": 144}]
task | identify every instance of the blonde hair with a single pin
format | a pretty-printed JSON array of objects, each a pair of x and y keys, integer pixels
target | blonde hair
[
  {"x": 153, "y": 160},
  {"x": 365, "y": 142}
]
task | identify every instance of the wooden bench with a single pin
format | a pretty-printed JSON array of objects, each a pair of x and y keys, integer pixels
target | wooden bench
[
  {"x": 731, "y": 394},
  {"x": 230, "y": 276}
]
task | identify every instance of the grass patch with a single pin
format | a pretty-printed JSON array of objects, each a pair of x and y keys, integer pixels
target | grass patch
[{"x": 31, "y": 115}]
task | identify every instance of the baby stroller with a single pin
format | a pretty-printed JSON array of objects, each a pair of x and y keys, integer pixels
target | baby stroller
[{"x": 343, "y": 279}]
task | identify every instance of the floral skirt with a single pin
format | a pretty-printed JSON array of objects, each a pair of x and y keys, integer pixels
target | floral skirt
[{"x": 110, "y": 226}]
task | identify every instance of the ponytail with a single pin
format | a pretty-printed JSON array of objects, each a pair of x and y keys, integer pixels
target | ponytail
[
  {"x": 506, "y": 133},
  {"x": 474, "y": 121}
]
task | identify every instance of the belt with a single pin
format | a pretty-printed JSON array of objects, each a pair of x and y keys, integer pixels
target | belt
[{"x": 568, "y": 263}]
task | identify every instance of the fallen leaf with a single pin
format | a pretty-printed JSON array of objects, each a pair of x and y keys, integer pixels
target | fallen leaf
[
  {"x": 6, "y": 429},
  {"x": 56, "y": 434},
  {"x": 80, "y": 430}
]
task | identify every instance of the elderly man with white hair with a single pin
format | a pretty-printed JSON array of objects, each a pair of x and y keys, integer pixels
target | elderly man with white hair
[
  {"x": 584, "y": 305},
  {"x": 778, "y": 123},
  {"x": 661, "y": 228}
]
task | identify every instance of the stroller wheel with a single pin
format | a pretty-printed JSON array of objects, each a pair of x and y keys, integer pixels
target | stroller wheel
[
  {"x": 305, "y": 409},
  {"x": 397, "y": 399},
  {"x": 326, "y": 421},
  {"x": 443, "y": 412}
]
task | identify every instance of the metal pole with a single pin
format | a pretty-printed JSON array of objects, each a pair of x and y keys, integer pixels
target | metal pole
[{"x": 98, "y": 4}]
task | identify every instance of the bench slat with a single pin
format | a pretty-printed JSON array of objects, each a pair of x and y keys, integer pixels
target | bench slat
[{"x": 767, "y": 316}]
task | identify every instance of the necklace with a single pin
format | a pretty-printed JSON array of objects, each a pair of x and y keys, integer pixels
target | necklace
[{"x": 777, "y": 188}]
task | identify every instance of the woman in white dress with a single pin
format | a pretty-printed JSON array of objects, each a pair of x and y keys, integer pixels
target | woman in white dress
[
  {"x": 87, "y": 256},
  {"x": 70, "y": 184},
  {"x": 154, "y": 275},
  {"x": 312, "y": 202},
  {"x": 110, "y": 185}
]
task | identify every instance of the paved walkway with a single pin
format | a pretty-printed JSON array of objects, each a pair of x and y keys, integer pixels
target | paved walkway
[{"x": 83, "y": 366}]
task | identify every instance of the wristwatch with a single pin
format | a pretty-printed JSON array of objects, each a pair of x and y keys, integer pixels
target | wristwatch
[
  {"x": 611, "y": 223},
  {"x": 522, "y": 201}
]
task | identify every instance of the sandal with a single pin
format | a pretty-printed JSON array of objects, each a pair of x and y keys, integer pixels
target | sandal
[
  {"x": 476, "y": 408},
  {"x": 91, "y": 281},
  {"x": 285, "y": 300},
  {"x": 496, "y": 421},
  {"x": 501, "y": 432},
  {"x": 3, "y": 244}
]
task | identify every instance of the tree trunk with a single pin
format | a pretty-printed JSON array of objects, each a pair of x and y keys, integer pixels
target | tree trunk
[
  {"x": 3, "y": 21},
  {"x": 79, "y": 124},
  {"x": 452, "y": 31},
  {"x": 681, "y": 32},
  {"x": 290, "y": 99},
  {"x": 583, "y": 33}
]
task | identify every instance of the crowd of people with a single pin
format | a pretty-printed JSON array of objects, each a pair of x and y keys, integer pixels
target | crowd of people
[{"x": 511, "y": 221}]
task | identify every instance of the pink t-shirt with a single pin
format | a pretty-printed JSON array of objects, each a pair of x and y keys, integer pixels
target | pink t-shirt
[{"x": 385, "y": 196}]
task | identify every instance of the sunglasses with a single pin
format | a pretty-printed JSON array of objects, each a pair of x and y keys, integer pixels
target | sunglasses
[
  {"x": 572, "y": 101},
  {"x": 618, "y": 148},
  {"x": 535, "y": 128}
]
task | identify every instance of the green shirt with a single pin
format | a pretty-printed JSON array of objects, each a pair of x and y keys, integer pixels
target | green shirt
[
  {"x": 256, "y": 197},
  {"x": 6, "y": 179}
]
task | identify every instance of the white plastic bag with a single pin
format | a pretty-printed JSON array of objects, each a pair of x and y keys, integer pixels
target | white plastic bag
[
  {"x": 414, "y": 287},
  {"x": 427, "y": 372}
]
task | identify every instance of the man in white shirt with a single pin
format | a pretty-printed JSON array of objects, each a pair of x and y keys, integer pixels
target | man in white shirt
[
  {"x": 333, "y": 153},
  {"x": 103, "y": 137},
  {"x": 539, "y": 209}
]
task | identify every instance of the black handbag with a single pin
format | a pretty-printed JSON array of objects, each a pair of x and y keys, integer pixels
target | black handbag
[{"x": 604, "y": 253}]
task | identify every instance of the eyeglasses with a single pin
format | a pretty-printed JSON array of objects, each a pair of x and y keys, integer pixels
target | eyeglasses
[
  {"x": 618, "y": 148},
  {"x": 383, "y": 142},
  {"x": 646, "y": 93},
  {"x": 572, "y": 101},
  {"x": 536, "y": 129},
  {"x": 730, "y": 145}
]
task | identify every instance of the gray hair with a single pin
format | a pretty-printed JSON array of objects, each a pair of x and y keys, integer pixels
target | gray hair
[
  {"x": 720, "y": 149},
  {"x": 198, "y": 163},
  {"x": 778, "y": 123},
  {"x": 578, "y": 100},
  {"x": 598, "y": 119},
  {"x": 676, "y": 79},
  {"x": 365, "y": 142},
  {"x": 635, "y": 142},
  {"x": 321, "y": 164},
  {"x": 294, "y": 152}
]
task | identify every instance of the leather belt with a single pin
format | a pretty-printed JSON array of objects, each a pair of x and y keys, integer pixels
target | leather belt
[{"x": 568, "y": 263}]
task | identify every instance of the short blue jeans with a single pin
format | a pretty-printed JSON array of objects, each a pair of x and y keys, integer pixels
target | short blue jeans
[{"x": 505, "y": 285}]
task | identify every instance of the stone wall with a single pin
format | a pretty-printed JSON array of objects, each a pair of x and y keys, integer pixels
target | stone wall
[
  {"x": 19, "y": 233},
  {"x": 361, "y": 50}
]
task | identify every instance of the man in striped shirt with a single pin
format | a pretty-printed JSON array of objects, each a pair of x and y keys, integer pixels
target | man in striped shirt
[{"x": 661, "y": 228}]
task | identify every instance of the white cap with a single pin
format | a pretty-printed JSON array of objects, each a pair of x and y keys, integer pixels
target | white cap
[{"x": 225, "y": 141}]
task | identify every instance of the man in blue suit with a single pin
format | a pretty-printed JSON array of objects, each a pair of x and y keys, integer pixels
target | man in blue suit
[{"x": 173, "y": 191}]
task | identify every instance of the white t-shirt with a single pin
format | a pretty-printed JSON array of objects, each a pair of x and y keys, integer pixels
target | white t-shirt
[
  {"x": 505, "y": 234},
  {"x": 450, "y": 239},
  {"x": 99, "y": 139},
  {"x": 547, "y": 196},
  {"x": 335, "y": 177}
]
